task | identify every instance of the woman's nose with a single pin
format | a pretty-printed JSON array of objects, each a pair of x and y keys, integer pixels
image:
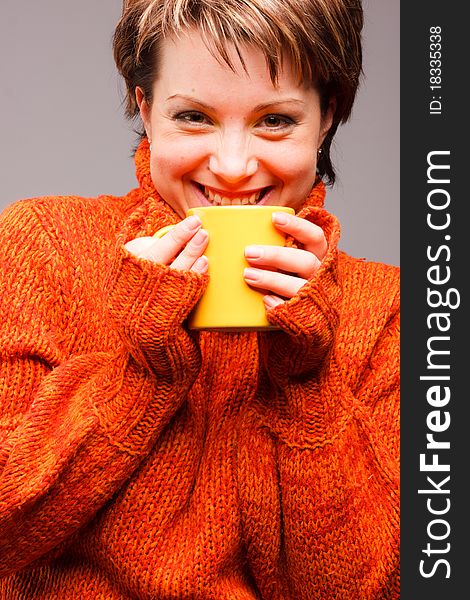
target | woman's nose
[{"x": 232, "y": 160}]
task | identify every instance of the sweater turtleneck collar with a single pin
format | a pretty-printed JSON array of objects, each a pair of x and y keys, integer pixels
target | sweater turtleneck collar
[{"x": 142, "y": 162}]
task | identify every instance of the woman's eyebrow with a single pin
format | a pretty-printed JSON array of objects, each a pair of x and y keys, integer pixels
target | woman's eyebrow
[
  {"x": 257, "y": 108},
  {"x": 190, "y": 99},
  {"x": 278, "y": 102}
]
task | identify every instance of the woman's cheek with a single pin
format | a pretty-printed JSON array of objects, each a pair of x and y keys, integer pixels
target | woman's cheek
[
  {"x": 179, "y": 159},
  {"x": 294, "y": 162}
]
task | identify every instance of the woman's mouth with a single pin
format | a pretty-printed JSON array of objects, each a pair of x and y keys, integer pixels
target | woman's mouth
[{"x": 219, "y": 198}]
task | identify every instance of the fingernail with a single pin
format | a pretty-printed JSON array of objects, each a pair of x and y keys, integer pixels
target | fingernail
[
  {"x": 193, "y": 222},
  {"x": 201, "y": 265},
  {"x": 269, "y": 301},
  {"x": 200, "y": 237},
  {"x": 250, "y": 275},
  {"x": 253, "y": 252},
  {"x": 280, "y": 218}
]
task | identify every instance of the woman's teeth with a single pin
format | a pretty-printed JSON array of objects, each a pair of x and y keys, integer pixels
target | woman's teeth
[{"x": 221, "y": 200}]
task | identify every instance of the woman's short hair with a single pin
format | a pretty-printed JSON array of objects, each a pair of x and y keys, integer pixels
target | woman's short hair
[{"x": 322, "y": 39}]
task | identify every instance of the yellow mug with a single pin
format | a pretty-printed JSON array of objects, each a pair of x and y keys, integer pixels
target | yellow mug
[{"x": 229, "y": 303}]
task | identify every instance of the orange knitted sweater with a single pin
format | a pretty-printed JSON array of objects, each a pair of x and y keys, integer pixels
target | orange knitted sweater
[{"x": 142, "y": 461}]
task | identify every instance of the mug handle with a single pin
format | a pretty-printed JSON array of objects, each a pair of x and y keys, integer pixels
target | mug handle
[{"x": 161, "y": 232}]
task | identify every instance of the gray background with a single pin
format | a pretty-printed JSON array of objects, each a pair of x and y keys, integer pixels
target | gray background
[{"x": 62, "y": 129}]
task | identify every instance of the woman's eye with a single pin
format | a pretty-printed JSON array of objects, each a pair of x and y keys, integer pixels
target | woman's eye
[
  {"x": 192, "y": 117},
  {"x": 276, "y": 122}
]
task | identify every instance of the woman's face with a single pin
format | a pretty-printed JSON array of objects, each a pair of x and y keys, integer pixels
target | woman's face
[{"x": 225, "y": 137}]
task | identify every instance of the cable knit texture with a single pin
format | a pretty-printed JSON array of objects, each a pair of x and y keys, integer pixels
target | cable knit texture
[{"x": 140, "y": 460}]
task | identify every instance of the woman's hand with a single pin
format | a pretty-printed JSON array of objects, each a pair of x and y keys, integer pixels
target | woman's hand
[
  {"x": 181, "y": 248},
  {"x": 283, "y": 271}
]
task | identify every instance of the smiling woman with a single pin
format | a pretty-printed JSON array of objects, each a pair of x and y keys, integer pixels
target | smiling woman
[
  {"x": 260, "y": 149},
  {"x": 206, "y": 150},
  {"x": 142, "y": 459}
]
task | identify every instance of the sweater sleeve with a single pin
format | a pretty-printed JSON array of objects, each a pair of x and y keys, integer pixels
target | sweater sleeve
[
  {"x": 75, "y": 423},
  {"x": 337, "y": 338},
  {"x": 329, "y": 396},
  {"x": 309, "y": 320}
]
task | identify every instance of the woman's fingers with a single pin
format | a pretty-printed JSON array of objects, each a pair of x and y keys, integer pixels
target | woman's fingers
[
  {"x": 279, "y": 283},
  {"x": 201, "y": 265},
  {"x": 293, "y": 260},
  {"x": 266, "y": 262},
  {"x": 311, "y": 236},
  {"x": 173, "y": 242},
  {"x": 192, "y": 252},
  {"x": 140, "y": 247},
  {"x": 182, "y": 247},
  {"x": 272, "y": 301}
]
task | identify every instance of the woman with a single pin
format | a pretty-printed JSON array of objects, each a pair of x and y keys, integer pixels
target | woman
[{"x": 141, "y": 460}]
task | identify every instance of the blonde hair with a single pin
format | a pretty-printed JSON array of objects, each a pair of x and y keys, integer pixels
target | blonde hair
[{"x": 322, "y": 39}]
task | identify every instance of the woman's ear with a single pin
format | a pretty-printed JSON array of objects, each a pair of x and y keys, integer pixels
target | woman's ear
[
  {"x": 144, "y": 109},
  {"x": 327, "y": 120}
]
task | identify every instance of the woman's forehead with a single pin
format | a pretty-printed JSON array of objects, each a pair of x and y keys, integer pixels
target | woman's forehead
[{"x": 194, "y": 53}]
